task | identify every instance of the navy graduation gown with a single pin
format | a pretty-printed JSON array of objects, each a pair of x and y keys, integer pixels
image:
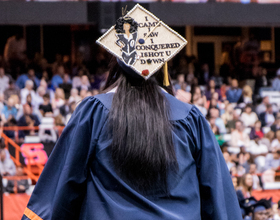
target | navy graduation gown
[{"x": 79, "y": 181}]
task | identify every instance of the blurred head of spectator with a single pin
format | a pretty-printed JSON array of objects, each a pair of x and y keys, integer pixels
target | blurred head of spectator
[
  {"x": 41, "y": 91},
  {"x": 239, "y": 126},
  {"x": 96, "y": 92},
  {"x": 60, "y": 70},
  {"x": 83, "y": 93},
  {"x": 31, "y": 73},
  {"x": 29, "y": 85},
  {"x": 246, "y": 185}
]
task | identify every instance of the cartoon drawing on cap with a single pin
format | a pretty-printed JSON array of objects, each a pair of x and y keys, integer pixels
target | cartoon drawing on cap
[{"x": 126, "y": 29}]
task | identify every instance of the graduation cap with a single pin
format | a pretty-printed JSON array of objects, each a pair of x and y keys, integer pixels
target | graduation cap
[
  {"x": 142, "y": 43},
  {"x": 246, "y": 205},
  {"x": 261, "y": 205}
]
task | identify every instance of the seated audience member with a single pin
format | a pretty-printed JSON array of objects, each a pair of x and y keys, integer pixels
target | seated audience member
[
  {"x": 267, "y": 118},
  {"x": 227, "y": 158},
  {"x": 256, "y": 131},
  {"x": 200, "y": 105},
  {"x": 239, "y": 138},
  {"x": 214, "y": 113},
  {"x": 257, "y": 182},
  {"x": 7, "y": 166},
  {"x": 272, "y": 160},
  {"x": 76, "y": 82},
  {"x": 244, "y": 190},
  {"x": 4, "y": 80},
  {"x": 236, "y": 117},
  {"x": 58, "y": 101},
  {"x": 57, "y": 79},
  {"x": 181, "y": 83},
  {"x": 66, "y": 85},
  {"x": 234, "y": 93},
  {"x": 9, "y": 111},
  {"x": 217, "y": 79},
  {"x": 41, "y": 91},
  {"x": 267, "y": 139},
  {"x": 275, "y": 144},
  {"x": 27, "y": 120},
  {"x": 276, "y": 81},
  {"x": 246, "y": 97},
  {"x": 262, "y": 106},
  {"x": 211, "y": 90},
  {"x": 228, "y": 114},
  {"x": 21, "y": 81},
  {"x": 85, "y": 84},
  {"x": 46, "y": 107},
  {"x": 244, "y": 159},
  {"x": 248, "y": 117},
  {"x": 11, "y": 90},
  {"x": 276, "y": 126},
  {"x": 28, "y": 89},
  {"x": 214, "y": 128},
  {"x": 17, "y": 186},
  {"x": 74, "y": 96}
]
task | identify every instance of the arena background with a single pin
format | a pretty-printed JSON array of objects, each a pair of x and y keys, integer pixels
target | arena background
[{"x": 64, "y": 32}]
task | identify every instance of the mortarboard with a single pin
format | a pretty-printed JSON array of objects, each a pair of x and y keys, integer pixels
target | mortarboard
[{"x": 142, "y": 43}]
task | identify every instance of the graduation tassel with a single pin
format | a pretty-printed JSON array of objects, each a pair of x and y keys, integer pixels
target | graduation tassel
[{"x": 165, "y": 76}]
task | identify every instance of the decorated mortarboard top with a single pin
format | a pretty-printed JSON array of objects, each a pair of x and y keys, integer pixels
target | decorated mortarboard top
[{"x": 142, "y": 42}]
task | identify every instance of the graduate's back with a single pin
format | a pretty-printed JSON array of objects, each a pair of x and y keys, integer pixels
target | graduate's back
[{"x": 80, "y": 180}]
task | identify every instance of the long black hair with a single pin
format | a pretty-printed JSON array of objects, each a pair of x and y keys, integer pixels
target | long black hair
[{"x": 142, "y": 148}]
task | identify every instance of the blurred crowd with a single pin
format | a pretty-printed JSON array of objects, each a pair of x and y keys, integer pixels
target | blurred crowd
[{"x": 246, "y": 123}]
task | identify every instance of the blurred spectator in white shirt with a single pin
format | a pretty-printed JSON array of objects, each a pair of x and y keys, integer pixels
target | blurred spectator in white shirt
[
  {"x": 7, "y": 166},
  {"x": 74, "y": 96},
  {"x": 239, "y": 138},
  {"x": 41, "y": 91},
  {"x": 262, "y": 107},
  {"x": 276, "y": 81},
  {"x": 275, "y": 144},
  {"x": 28, "y": 89},
  {"x": 256, "y": 179},
  {"x": 4, "y": 80},
  {"x": 248, "y": 117}
]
